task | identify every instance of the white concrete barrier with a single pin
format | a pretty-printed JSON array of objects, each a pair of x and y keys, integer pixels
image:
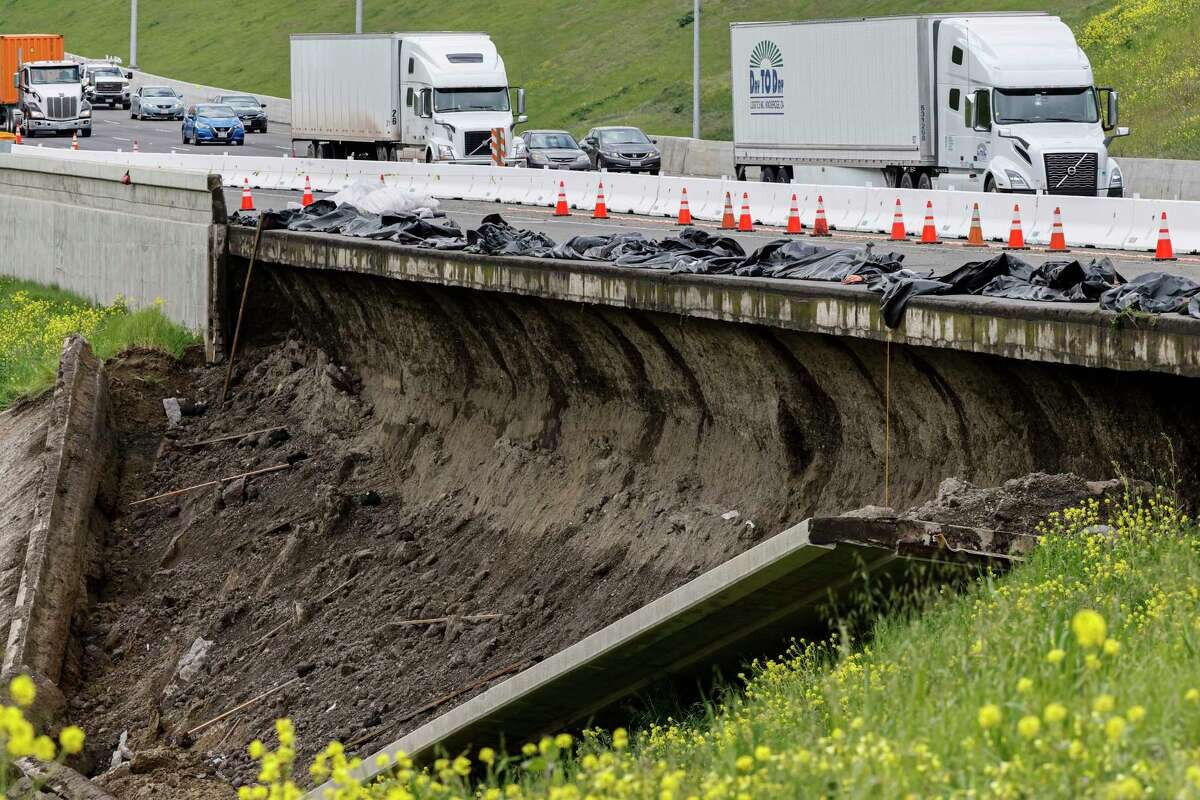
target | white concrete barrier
[{"x": 1111, "y": 223}]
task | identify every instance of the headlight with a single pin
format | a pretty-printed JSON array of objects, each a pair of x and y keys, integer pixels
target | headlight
[
  {"x": 1015, "y": 180},
  {"x": 1115, "y": 179},
  {"x": 536, "y": 157},
  {"x": 202, "y": 126},
  {"x": 519, "y": 148},
  {"x": 85, "y": 112},
  {"x": 445, "y": 151},
  {"x": 35, "y": 114}
]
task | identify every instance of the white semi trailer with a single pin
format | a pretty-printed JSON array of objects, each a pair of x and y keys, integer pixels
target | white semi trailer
[
  {"x": 390, "y": 96},
  {"x": 1000, "y": 102}
]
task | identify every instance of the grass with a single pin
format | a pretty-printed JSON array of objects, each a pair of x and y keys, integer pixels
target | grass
[
  {"x": 1075, "y": 675},
  {"x": 35, "y": 319},
  {"x": 586, "y": 63}
]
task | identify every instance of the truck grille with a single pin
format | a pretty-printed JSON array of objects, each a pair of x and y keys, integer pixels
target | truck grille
[
  {"x": 1071, "y": 173},
  {"x": 477, "y": 143},
  {"x": 62, "y": 107},
  {"x": 108, "y": 88}
]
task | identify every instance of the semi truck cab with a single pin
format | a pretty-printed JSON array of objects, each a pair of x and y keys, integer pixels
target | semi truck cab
[
  {"x": 455, "y": 92},
  {"x": 51, "y": 98},
  {"x": 1019, "y": 110}
]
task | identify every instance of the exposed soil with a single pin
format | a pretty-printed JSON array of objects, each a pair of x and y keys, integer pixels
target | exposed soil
[{"x": 23, "y": 434}]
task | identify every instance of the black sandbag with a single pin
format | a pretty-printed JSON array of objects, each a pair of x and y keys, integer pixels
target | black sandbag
[{"x": 1154, "y": 293}]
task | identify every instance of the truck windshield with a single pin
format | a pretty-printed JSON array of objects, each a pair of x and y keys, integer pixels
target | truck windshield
[
  {"x": 107, "y": 72},
  {"x": 470, "y": 99},
  {"x": 40, "y": 76},
  {"x": 1047, "y": 105}
]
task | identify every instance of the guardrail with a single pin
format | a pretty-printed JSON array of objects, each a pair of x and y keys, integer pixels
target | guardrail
[{"x": 1110, "y": 223}]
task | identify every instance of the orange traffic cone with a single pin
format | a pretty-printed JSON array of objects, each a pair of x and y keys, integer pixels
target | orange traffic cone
[
  {"x": 560, "y": 208},
  {"x": 247, "y": 198},
  {"x": 1164, "y": 251},
  {"x": 975, "y": 235},
  {"x": 1016, "y": 238},
  {"x": 382, "y": 179},
  {"x": 745, "y": 223},
  {"x": 820, "y": 225},
  {"x": 727, "y": 221},
  {"x": 306, "y": 199},
  {"x": 898, "y": 232},
  {"x": 1058, "y": 239},
  {"x": 19, "y": 139},
  {"x": 929, "y": 230},
  {"x": 685, "y": 212},
  {"x": 601, "y": 211},
  {"x": 74, "y": 142},
  {"x": 136, "y": 149},
  {"x": 794, "y": 225}
]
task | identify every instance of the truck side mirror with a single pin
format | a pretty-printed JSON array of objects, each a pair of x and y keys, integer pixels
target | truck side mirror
[
  {"x": 1113, "y": 115},
  {"x": 983, "y": 110},
  {"x": 129, "y": 75},
  {"x": 520, "y": 101}
]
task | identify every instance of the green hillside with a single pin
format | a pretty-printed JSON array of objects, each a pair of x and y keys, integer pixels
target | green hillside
[{"x": 600, "y": 61}]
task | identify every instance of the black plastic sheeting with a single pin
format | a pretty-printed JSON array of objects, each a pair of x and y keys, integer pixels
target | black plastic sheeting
[{"x": 694, "y": 251}]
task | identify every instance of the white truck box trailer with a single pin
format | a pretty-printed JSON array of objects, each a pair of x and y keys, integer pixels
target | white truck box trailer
[
  {"x": 995, "y": 102},
  {"x": 432, "y": 96}
]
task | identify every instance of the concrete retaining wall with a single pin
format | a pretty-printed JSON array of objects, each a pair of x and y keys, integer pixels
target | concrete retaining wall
[
  {"x": 78, "y": 464},
  {"x": 78, "y": 226}
]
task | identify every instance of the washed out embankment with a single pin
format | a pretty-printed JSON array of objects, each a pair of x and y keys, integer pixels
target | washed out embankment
[{"x": 604, "y": 405}]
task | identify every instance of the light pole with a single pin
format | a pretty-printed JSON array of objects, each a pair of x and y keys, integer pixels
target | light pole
[
  {"x": 358, "y": 16},
  {"x": 696, "y": 72},
  {"x": 133, "y": 34}
]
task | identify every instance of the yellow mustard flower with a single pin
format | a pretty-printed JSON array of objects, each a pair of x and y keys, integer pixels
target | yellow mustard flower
[{"x": 1089, "y": 627}]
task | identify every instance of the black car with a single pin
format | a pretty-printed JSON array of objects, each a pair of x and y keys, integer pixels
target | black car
[
  {"x": 251, "y": 112},
  {"x": 622, "y": 149}
]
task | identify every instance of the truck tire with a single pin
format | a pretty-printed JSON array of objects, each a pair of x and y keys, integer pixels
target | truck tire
[
  {"x": 924, "y": 182},
  {"x": 86, "y": 133},
  {"x": 989, "y": 184},
  {"x": 767, "y": 175},
  {"x": 906, "y": 181}
]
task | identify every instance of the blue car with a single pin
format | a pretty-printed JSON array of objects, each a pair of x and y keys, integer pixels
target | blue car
[{"x": 213, "y": 123}]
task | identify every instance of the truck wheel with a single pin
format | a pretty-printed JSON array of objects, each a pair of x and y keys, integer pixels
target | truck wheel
[
  {"x": 924, "y": 182},
  {"x": 906, "y": 181},
  {"x": 739, "y": 172},
  {"x": 767, "y": 175},
  {"x": 989, "y": 185},
  {"x": 86, "y": 133}
]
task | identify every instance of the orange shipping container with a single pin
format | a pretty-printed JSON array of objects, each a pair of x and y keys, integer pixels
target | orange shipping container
[{"x": 26, "y": 47}]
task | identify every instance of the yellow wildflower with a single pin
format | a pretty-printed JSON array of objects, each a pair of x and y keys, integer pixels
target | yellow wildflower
[
  {"x": 22, "y": 691},
  {"x": 1089, "y": 627},
  {"x": 990, "y": 716},
  {"x": 71, "y": 738},
  {"x": 1055, "y": 712},
  {"x": 1029, "y": 726},
  {"x": 1056, "y": 655}
]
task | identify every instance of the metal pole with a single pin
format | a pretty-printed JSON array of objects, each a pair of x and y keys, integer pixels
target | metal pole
[
  {"x": 133, "y": 34},
  {"x": 696, "y": 72},
  {"x": 358, "y": 16}
]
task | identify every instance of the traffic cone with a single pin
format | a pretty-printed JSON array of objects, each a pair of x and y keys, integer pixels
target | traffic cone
[
  {"x": 975, "y": 235},
  {"x": 136, "y": 149},
  {"x": 560, "y": 208},
  {"x": 929, "y": 230},
  {"x": 745, "y": 223},
  {"x": 306, "y": 199},
  {"x": 382, "y": 179},
  {"x": 19, "y": 139},
  {"x": 794, "y": 225},
  {"x": 247, "y": 198},
  {"x": 821, "y": 225},
  {"x": 1164, "y": 251},
  {"x": 685, "y": 212},
  {"x": 601, "y": 211},
  {"x": 898, "y": 232},
  {"x": 727, "y": 221},
  {"x": 1016, "y": 238},
  {"x": 74, "y": 141},
  {"x": 1058, "y": 239}
]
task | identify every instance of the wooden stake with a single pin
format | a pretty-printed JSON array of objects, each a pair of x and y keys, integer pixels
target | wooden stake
[
  {"x": 205, "y": 485},
  {"x": 237, "y": 331},
  {"x": 236, "y": 709},
  {"x": 231, "y": 437},
  {"x": 472, "y": 618}
]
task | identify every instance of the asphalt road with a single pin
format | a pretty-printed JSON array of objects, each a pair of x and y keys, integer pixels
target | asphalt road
[{"x": 113, "y": 129}]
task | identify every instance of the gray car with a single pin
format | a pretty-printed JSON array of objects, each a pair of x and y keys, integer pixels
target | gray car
[
  {"x": 156, "y": 102},
  {"x": 554, "y": 150},
  {"x": 622, "y": 149}
]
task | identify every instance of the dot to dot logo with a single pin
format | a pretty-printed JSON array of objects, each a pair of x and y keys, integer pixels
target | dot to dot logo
[{"x": 766, "y": 84}]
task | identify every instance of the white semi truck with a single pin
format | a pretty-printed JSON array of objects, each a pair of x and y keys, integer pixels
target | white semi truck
[
  {"x": 1001, "y": 102},
  {"x": 430, "y": 96}
]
